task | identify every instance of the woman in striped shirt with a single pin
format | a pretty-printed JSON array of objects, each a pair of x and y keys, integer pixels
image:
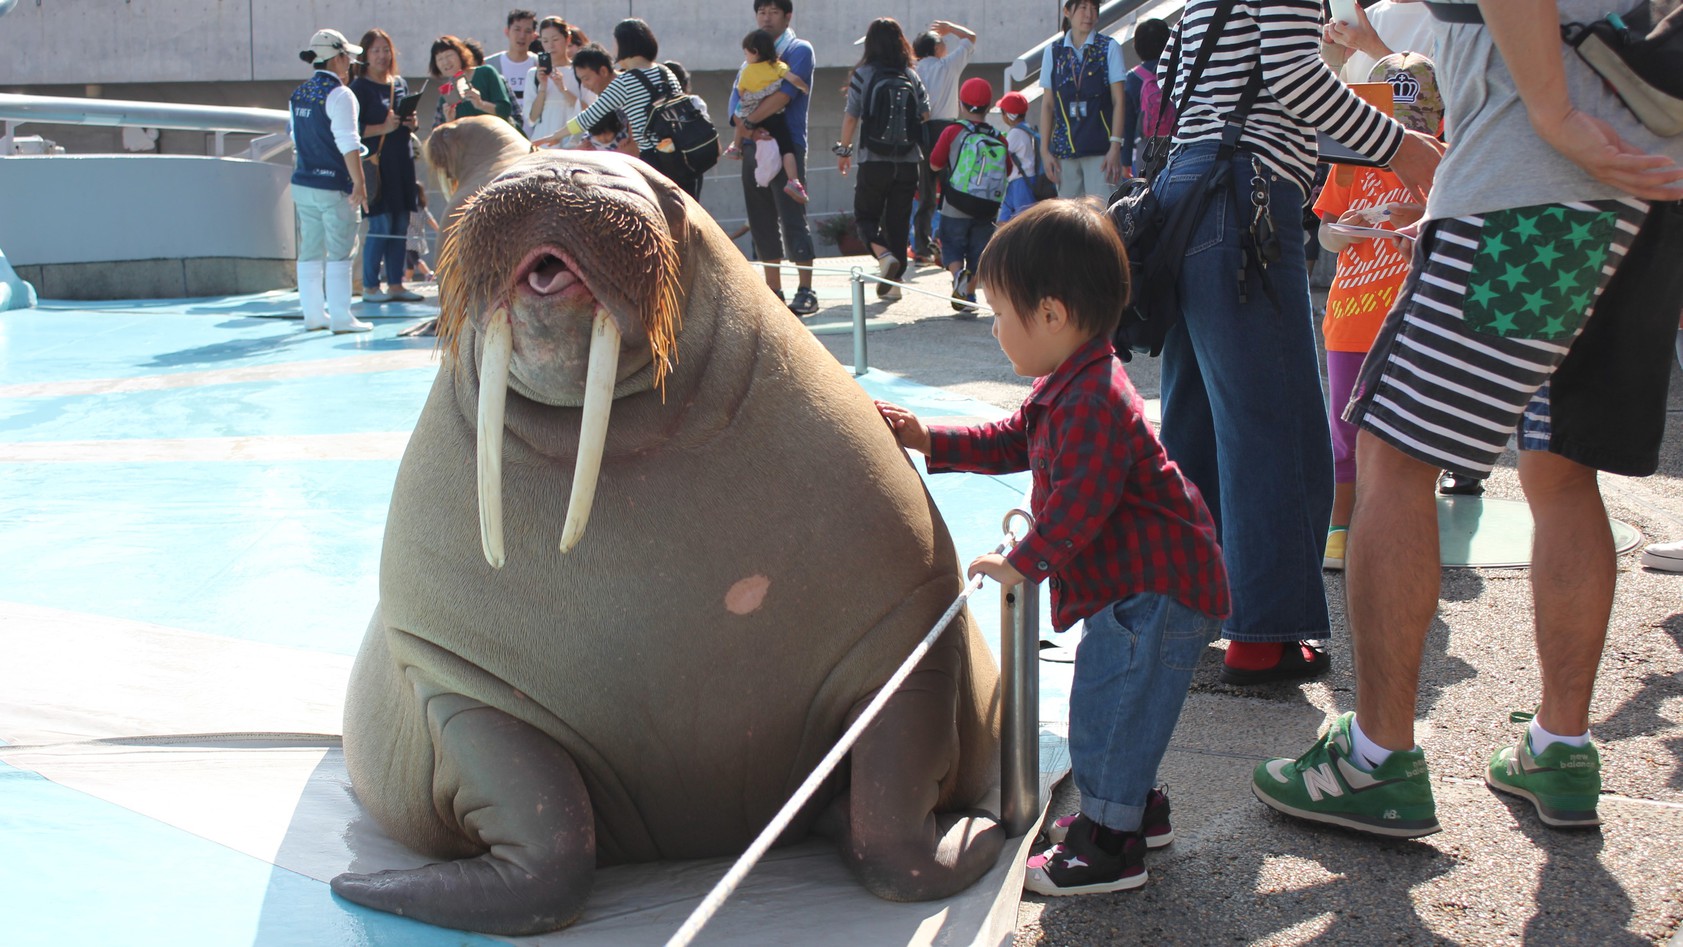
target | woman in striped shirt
[
  {"x": 636, "y": 51},
  {"x": 1243, "y": 413}
]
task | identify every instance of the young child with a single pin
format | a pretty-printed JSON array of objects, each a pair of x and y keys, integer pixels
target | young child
[
  {"x": 761, "y": 75},
  {"x": 609, "y": 134},
  {"x": 1370, "y": 270},
  {"x": 1024, "y": 143},
  {"x": 1125, "y": 539},
  {"x": 974, "y": 162}
]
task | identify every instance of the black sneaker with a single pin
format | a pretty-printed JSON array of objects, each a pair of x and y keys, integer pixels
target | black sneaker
[
  {"x": 805, "y": 302},
  {"x": 1452, "y": 484},
  {"x": 1154, "y": 825},
  {"x": 1080, "y": 865}
]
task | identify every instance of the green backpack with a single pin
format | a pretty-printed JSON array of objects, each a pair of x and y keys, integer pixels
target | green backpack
[{"x": 977, "y": 167}]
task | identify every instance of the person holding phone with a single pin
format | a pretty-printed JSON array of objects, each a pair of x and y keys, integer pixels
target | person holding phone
[
  {"x": 551, "y": 86},
  {"x": 467, "y": 86},
  {"x": 389, "y": 169}
]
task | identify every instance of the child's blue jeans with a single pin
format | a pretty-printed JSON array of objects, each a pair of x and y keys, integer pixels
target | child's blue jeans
[{"x": 1132, "y": 671}]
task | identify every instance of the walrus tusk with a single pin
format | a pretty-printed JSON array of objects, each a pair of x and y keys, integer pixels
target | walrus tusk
[
  {"x": 599, "y": 383},
  {"x": 493, "y": 398}
]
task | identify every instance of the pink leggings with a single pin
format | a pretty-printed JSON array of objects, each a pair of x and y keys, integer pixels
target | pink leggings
[{"x": 1342, "y": 369}]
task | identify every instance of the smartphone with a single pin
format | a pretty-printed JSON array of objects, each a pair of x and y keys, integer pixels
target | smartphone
[
  {"x": 452, "y": 90},
  {"x": 1344, "y": 11},
  {"x": 546, "y": 62}
]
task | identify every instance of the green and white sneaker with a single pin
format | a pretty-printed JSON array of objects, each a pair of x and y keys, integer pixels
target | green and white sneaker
[
  {"x": 1563, "y": 782},
  {"x": 1326, "y": 785}
]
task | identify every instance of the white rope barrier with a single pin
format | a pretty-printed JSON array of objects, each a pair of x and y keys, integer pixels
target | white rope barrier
[
  {"x": 861, "y": 273},
  {"x": 727, "y": 885}
]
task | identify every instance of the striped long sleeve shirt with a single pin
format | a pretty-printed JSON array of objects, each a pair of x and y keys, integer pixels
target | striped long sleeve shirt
[
  {"x": 1299, "y": 92},
  {"x": 631, "y": 97}
]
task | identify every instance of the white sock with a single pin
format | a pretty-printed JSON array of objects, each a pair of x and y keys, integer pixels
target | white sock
[
  {"x": 1540, "y": 738},
  {"x": 1368, "y": 753}
]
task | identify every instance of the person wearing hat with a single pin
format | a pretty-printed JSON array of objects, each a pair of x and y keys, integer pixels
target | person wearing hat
[
  {"x": 1024, "y": 143},
  {"x": 327, "y": 184},
  {"x": 977, "y": 169},
  {"x": 940, "y": 55},
  {"x": 1370, "y": 269}
]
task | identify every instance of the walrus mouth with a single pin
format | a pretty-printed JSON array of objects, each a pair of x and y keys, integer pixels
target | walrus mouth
[{"x": 546, "y": 272}]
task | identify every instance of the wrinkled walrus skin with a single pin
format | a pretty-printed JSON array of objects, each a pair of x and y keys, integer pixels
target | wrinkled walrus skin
[{"x": 759, "y": 559}]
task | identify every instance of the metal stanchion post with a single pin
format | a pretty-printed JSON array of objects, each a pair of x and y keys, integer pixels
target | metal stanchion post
[
  {"x": 1019, "y": 747},
  {"x": 859, "y": 366}
]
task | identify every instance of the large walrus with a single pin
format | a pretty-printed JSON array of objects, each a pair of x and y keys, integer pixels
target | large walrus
[{"x": 759, "y": 558}]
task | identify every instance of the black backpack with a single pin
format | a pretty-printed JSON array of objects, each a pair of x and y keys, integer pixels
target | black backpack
[
  {"x": 891, "y": 115},
  {"x": 695, "y": 142}
]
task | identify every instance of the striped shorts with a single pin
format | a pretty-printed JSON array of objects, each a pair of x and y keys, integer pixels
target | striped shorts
[{"x": 1490, "y": 309}]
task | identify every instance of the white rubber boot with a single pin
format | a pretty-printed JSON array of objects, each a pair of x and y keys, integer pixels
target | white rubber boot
[
  {"x": 310, "y": 299},
  {"x": 339, "y": 299}
]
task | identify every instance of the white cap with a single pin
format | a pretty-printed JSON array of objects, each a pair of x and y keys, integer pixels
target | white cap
[{"x": 329, "y": 43}]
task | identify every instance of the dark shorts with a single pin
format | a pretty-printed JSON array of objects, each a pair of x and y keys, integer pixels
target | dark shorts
[{"x": 1498, "y": 305}]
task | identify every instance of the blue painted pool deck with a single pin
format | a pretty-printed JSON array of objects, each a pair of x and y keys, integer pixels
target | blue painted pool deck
[{"x": 205, "y": 476}]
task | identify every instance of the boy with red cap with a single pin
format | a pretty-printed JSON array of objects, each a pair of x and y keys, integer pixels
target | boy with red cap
[
  {"x": 976, "y": 165},
  {"x": 1023, "y": 141}
]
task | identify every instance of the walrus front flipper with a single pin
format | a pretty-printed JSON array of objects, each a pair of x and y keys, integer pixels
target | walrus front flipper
[{"x": 514, "y": 792}]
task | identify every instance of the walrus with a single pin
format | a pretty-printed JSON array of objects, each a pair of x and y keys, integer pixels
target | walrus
[{"x": 698, "y": 553}]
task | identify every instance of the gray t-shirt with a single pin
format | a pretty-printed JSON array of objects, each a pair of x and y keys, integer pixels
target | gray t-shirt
[
  {"x": 1495, "y": 161},
  {"x": 856, "y": 86}
]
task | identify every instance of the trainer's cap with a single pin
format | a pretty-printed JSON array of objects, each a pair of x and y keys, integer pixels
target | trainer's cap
[
  {"x": 976, "y": 93},
  {"x": 1417, "y": 103},
  {"x": 329, "y": 43}
]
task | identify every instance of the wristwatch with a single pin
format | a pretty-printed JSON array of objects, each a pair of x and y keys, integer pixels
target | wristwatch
[
  {"x": 842, "y": 151},
  {"x": 1116, "y": 141}
]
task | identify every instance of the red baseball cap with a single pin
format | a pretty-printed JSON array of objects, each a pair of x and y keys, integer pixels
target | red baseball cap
[
  {"x": 976, "y": 93},
  {"x": 1015, "y": 103}
]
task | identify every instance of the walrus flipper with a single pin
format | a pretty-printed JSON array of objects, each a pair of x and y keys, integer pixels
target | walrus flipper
[
  {"x": 890, "y": 823},
  {"x": 514, "y": 791}
]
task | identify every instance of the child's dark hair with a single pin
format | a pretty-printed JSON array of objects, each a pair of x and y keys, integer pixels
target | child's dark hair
[
  {"x": 763, "y": 45},
  {"x": 608, "y": 123},
  {"x": 1064, "y": 250}
]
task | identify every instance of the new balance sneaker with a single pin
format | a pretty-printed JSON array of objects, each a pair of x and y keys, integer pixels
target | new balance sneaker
[
  {"x": 1154, "y": 826},
  {"x": 1563, "y": 782},
  {"x": 1080, "y": 865},
  {"x": 1393, "y": 799}
]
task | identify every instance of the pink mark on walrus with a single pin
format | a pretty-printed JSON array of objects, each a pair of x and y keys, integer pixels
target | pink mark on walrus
[{"x": 747, "y": 595}]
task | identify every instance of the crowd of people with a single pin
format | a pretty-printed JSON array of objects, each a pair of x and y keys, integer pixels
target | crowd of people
[{"x": 1495, "y": 228}]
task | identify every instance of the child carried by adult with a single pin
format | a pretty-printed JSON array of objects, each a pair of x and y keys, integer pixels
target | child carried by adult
[{"x": 762, "y": 74}]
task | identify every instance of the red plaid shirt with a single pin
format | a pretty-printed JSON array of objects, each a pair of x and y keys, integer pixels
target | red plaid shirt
[{"x": 1113, "y": 516}]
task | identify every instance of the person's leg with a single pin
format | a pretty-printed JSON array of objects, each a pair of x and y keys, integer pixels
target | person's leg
[
  {"x": 1070, "y": 182},
  {"x": 374, "y": 253},
  {"x": 342, "y": 219},
  {"x": 1342, "y": 368},
  {"x": 761, "y": 208},
  {"x": 1572, "y": 577},
  {"x": 1093, "y": 183},
  {"x": 925, "y": 216},
  {"x": 1257, "y": 359},
  {"x": 396, "y": 246},
  {"x": 797, "y": 236},
  {"x": 870, "y": 203},
  {"x": 897, "y": 219},
  {"x": 312, "y": 253},
  {"x": 1391, "y": 579}
]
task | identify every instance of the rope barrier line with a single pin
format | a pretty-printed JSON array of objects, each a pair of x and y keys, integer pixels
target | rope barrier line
[{"x": 727, "y": 885}]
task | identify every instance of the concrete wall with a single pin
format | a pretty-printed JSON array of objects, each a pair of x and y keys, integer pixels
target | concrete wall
[
  {"x": 107, "y": 226},
  {"x": 121, "y": 41}
]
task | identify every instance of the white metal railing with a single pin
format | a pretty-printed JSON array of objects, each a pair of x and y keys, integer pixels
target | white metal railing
[{"x": 268, "y": 124}]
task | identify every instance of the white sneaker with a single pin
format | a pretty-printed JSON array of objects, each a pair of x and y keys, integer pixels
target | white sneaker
[
  {"x": 355, "y": 325},
  {"x": 1666, "y": 557}
]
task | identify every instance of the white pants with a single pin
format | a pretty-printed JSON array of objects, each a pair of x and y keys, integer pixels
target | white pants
[{"x": 327, "y": 224}]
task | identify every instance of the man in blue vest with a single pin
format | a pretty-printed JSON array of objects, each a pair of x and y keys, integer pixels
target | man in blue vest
[{"x": 327, "y": 184}]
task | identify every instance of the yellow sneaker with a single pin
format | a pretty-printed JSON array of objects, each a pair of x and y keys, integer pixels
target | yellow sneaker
[{"x": 1334, "y": 559}]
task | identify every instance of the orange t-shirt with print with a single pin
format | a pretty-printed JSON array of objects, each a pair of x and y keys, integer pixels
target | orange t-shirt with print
[{"x": 1369, "y": 271}]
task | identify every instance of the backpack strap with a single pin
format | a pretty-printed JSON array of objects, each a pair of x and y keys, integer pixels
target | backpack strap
[{"x": 666, "y": 79}]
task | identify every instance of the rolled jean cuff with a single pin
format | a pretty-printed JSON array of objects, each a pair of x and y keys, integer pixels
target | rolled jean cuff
[
  {"x": 1278, "y": 637},
  {"x": 1112, "y": 815}
]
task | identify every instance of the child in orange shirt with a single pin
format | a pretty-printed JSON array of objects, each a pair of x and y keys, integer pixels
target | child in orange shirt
[{"x": 1370, "y": 269}]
